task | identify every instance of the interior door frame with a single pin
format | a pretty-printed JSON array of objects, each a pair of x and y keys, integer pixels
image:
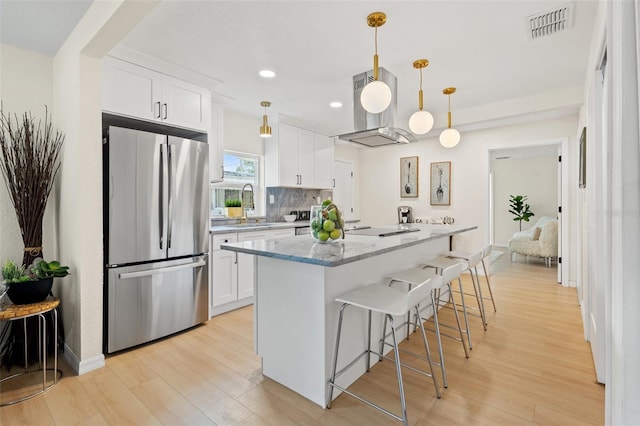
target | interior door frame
[{"x": 563, "y": 144}]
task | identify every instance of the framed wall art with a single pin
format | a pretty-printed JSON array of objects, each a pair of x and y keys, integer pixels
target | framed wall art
[
  {"x": 441, "y": 183},
  {"x": 409, "y": 177}
]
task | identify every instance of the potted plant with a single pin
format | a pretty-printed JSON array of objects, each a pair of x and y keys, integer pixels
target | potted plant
[
  {"x": 520, "y": 209},
  {"x": 29, "y": 162},
  {"x": 233, "y": 207},
  {"x": 32, "y": 284}
]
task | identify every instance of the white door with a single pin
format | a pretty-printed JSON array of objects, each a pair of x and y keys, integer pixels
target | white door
[
  {"x": 560, "y": 224},
  {"x": 343, "y": 188}
]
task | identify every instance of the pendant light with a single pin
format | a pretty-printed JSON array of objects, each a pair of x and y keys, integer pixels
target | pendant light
[
  {"x": 421, "y": 121},
  {"x": 376, "y": 96},
  {"x": 449, "y": 137},
  {"x": 265, "y": 129}
]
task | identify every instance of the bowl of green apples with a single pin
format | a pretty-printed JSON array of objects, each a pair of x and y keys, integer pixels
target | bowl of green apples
[{"x": 327, "y": 225}]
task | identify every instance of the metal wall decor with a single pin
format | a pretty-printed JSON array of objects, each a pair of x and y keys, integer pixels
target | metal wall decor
[
  {"x": 441, "y": 183},
  {"x": 409, "y": 177}
]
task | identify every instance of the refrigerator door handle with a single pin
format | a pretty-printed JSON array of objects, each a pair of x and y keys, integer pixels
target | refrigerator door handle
[
  {"x": 170, "y": 187},
  {"x": 161, "y": 198},
  {"x": 194, "y": 265}
]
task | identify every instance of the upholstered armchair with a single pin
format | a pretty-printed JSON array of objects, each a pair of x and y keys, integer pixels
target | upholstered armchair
[{"x": 541, "y": 241}]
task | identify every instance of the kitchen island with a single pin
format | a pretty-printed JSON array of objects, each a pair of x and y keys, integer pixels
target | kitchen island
[{"x": 297, "y": 281}]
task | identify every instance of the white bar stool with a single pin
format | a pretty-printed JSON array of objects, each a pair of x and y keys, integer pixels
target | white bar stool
[
  {"x": 414, "y": 276},
  {"x": 467, "y": 265},
  {"x": 390, "y": 302},
  {"x": 486, "y": 252}
]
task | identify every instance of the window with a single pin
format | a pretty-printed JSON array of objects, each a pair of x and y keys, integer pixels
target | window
[{"x": 239, "y": 170}]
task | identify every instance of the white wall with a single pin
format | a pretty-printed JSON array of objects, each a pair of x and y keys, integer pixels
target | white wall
[
  {"x": 380, "y": 169},
  {"x": 534, "y": 177},
  {"x": 241, "y": 133},
  {"x": 26, "y": 85}
]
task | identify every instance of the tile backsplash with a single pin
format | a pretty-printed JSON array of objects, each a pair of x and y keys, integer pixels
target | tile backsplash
[{"x": 287, "y": 199}]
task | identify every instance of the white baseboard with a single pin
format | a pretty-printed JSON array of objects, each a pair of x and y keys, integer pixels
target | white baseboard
[
  {"x": 573, "y": 284},
  {"x": 84, "y": 366}
]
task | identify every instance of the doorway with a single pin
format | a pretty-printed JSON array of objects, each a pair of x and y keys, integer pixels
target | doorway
[{"x": 534, "y": 170}]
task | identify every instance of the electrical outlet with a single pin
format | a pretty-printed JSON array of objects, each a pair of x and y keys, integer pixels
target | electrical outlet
[{"x": 271, "y": 199}]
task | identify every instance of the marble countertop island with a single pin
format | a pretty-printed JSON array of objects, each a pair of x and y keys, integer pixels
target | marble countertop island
[{"x": 296, "y": 283}]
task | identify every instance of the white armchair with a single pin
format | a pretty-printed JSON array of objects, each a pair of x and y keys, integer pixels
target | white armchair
[{"x": 541, "y": 240}]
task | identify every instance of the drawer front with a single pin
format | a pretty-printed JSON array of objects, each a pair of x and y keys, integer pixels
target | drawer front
[{"x": 219, "y": 239}]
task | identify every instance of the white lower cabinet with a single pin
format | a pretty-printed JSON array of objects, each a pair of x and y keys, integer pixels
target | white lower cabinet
[{"x": 233, "y": 275}]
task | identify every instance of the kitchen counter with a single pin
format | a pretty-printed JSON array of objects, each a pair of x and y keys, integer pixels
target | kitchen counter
[
  {"x": 351, "y": 249},
  {"x": 252, "y": 226},
  {"x": 297, "y": 282}
]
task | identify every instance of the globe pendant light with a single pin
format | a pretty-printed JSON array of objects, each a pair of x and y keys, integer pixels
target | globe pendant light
[
  {"x": 449, "y": 137},
  {"x": 265, "y": 129},
  {"x": 376, "y": 96},
  {"x": 421, "y": 121}
]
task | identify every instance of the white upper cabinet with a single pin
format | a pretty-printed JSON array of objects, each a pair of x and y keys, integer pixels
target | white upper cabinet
[
  {"x": 135, "y": 91},
  {"x": 299, "y": 158}
]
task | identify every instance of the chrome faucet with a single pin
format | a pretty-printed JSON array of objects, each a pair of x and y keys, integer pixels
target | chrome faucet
[{"x": 250, "y": 205}]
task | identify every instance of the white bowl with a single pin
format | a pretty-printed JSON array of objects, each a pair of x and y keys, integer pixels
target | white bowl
[{"x": 289, "y": 217}]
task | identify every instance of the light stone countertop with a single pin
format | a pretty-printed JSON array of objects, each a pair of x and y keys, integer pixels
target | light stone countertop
[
  {"x": 305, "y": 249},
  {"x": 249, "y": 226}
]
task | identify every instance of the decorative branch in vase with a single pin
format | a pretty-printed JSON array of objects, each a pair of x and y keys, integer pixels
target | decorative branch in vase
[{"x": 29, "y": 161}]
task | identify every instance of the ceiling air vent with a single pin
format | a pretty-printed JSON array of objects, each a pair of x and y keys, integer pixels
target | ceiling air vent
[{"x": 550, "y": 22}]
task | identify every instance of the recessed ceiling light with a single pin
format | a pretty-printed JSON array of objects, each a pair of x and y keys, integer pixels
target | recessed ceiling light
[
  {"x": 335, "y": 104},
  {"x": 267, "y": 73}
]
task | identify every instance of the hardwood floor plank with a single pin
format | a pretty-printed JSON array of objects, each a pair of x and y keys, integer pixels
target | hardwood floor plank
[{"x": 167, "y": 405}]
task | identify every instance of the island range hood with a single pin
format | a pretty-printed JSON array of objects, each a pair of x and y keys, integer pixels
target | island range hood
[{"x": 376, "y": 129}]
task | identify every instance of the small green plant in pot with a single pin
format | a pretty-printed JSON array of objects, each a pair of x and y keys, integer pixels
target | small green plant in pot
[
  {"x": 520, "y": 209},
  {"x": 31, "y": 284},
  {"x": 234, "y": 207}
]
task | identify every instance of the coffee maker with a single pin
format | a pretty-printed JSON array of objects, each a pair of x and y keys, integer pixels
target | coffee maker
[{"x": 405, "y": 214}]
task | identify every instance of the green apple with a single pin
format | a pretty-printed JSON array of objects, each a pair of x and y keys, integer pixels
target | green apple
[
  {"x": 335, "y": 234},
  {"x": 323, "y": 235},
  {"x": 329, "y": 225},
  {"x": 326, "y": 202}
]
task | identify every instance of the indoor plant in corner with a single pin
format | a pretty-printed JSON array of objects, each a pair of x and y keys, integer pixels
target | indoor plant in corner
[
  {"x": 520, "y": 209},
  {"x": 32, "y": 284},
  {"x": 29, "y": 161}
]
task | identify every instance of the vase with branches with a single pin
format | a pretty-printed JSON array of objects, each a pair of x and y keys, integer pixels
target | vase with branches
[
  {"x": 520, "y": 209},
  {"x": 30, "y": 154},
  {"x": 29, "y": 161}
]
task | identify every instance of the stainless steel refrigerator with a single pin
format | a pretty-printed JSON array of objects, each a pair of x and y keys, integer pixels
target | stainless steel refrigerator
[{"x": 156, "y": 218}]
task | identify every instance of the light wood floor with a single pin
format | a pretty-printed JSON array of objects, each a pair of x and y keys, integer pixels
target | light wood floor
[{"x": 531, "y": 366}]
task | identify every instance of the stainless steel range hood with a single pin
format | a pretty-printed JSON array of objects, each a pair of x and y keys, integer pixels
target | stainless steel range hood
[{"x": 376, "y": 129}]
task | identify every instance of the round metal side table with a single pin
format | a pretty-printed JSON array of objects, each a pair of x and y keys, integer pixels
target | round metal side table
[{"x": 22, "y": 312}]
